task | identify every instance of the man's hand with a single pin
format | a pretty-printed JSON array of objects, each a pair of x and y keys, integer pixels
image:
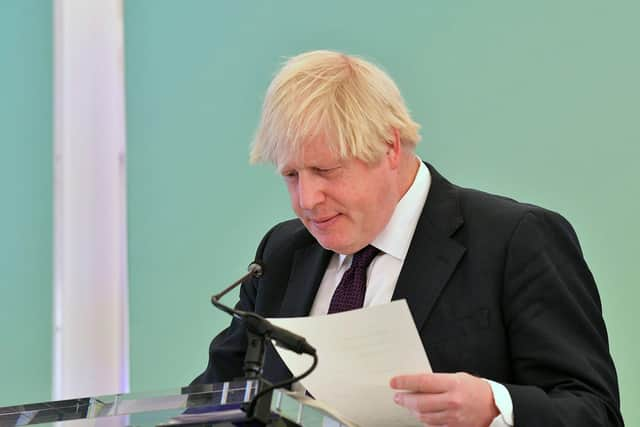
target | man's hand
[{"x": 452, "y": 400}]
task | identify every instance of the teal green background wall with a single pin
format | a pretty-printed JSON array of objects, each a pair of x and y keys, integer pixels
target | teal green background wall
[
  {"x": 26, "y": 207},
  {"x": 536, "y": 100}
]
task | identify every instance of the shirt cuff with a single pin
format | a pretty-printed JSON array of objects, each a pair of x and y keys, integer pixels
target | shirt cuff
[{"x": 503, "y": 402}]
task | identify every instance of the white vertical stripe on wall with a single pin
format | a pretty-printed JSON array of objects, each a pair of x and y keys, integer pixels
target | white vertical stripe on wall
[{"x": 91, "y": 347}]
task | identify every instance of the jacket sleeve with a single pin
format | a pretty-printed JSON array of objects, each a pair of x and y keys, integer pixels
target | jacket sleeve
[{"x": 563, "y": 374}]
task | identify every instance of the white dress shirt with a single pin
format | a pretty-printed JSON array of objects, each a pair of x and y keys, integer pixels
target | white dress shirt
[{"x": 383, "y": 272}]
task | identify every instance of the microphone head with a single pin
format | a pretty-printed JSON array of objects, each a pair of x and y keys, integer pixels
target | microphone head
[{"x": 256, "y": 269}]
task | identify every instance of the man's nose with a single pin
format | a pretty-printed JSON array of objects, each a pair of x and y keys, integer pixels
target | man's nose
[{"x": 310, "y": 191}]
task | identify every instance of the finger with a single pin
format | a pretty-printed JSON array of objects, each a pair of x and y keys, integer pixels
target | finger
[
  {"x": 433, "y": 419},
  {"x": 422, "y": 402},
  {"x": 425, "y": 383}
]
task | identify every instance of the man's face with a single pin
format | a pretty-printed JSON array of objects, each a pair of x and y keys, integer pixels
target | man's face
[{"x": 344, "y": 203}]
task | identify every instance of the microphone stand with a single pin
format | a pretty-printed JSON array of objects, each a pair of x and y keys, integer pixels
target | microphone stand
[
  {"x": 259, "y": 331},
  {"x": 256, "y": 332}
]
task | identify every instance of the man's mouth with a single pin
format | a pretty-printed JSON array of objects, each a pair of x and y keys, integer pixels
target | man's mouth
[{"x": 323, "y": 222}]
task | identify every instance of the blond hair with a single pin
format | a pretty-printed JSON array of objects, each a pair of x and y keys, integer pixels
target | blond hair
[{"x": 352, "y": 103}]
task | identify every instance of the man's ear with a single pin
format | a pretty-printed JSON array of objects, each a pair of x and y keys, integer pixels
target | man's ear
[{"x": 394, "y": 149}]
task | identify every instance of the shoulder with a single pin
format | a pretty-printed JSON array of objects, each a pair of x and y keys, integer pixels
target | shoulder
[
  {"x": 486, "y": 206},
  {"x": 495, "y": 219},
  {"x": 516, "y": 223},
  {"x": 500, "y": 212},
  {"x": 476, "y": 206},
  {"x": 284, "y": 238}
]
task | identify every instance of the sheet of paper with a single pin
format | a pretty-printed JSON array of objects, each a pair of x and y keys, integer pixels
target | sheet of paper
[{"x": 359, "y": 351}]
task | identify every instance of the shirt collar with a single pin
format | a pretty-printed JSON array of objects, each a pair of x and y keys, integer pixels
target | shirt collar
[{"x": 395, "y": 237}]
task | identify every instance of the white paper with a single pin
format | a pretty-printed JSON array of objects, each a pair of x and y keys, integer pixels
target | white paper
[{"x": 359, "y": 351}]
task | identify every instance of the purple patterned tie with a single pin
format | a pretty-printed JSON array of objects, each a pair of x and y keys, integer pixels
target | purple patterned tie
[{"x": 350, "y": 291}]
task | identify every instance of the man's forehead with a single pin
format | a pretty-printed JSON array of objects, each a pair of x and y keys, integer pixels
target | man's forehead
[{"x": 317, "y": 149}]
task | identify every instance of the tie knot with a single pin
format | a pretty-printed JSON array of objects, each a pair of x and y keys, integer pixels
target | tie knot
[{"x": 364, "y": 256}]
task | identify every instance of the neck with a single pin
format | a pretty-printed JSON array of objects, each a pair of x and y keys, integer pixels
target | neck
[{"x": 408, "y": 172}]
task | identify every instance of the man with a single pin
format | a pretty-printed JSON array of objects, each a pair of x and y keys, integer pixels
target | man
[{"x": 500, "y": 293}]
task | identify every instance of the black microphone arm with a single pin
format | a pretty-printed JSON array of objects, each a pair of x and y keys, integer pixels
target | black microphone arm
[
  {"x": 259, "y": 324},
  {"x": 259, "y": 330}
]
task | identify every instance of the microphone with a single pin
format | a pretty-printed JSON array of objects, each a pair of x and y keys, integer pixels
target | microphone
[
  {"x": 254, "y": 269},
  {"x": 259, "y": 324}
]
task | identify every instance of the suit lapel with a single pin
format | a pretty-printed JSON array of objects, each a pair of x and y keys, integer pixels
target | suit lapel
[
  {"x": 433, "y": 254},
  {"x": 309, "y": 265}
]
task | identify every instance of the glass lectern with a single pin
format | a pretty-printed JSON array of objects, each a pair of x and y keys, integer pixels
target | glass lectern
[{"x": 210, "y": 405}]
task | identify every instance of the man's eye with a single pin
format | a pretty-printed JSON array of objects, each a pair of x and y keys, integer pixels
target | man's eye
[
  {"x": 325, "y": 171},
  {"x": 290, "y": 175}
]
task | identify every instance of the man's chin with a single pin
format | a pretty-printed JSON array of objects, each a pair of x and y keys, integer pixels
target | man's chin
[
  {"x": 330, "y": 238},
  {"x": 334, "y": 245}
]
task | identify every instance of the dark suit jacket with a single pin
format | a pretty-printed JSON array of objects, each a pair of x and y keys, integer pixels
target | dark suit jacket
[{"x": 497, "y": 288}]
